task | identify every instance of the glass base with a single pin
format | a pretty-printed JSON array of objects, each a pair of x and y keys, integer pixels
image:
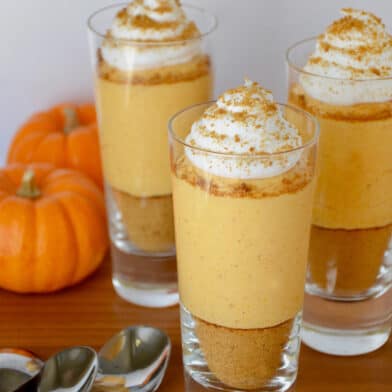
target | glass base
[
  {"x": 344, "y": 343},
  {"x": 151, "y": 296},
  {"x": 149, "y": 281},
  {"x": 196, "y": 366},
  {"x": 347, "y": 328}
]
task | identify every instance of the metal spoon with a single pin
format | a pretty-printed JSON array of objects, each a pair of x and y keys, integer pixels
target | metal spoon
[
  {"x": 17, "y": 367},
  {"x": 137, "y": 357},
  {"x": 71, "y": 370}
]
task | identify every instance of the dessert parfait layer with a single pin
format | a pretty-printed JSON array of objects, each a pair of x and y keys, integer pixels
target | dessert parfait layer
[
  {"x": 347, "y": 84},
  {"x": 150, "y": 64},
  {"x": 242, "y": 190}
]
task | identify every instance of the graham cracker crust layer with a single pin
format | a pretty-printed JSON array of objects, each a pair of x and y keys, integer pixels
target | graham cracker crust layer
[
  {"x": 357, "y": 112},
  {"x": 347, "y": 261},
  {"x": 196, "y": 68},
  {"x": 291, "y": 181},
  {"x": 243, "y": 358},
  {"x": 148, "y": 221}
]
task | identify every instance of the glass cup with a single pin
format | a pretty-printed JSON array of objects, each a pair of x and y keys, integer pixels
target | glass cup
[
  {"x": 134, "y": 105},
  {"x": 348, "y": 301},
  {"x": 241, "y": 256}
]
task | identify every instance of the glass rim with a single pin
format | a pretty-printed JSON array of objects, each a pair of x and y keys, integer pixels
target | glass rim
[
  {"x": 213, "y": 26},
  {"x": 262, "y": 155},
  {"x": 299, "y": 69}
]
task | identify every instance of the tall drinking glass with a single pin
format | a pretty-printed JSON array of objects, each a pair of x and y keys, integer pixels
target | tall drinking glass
[
  {"x": 348, "y": 304},
  {"x": 242, "y": 253},
  {"x": 134, "y": 104}
]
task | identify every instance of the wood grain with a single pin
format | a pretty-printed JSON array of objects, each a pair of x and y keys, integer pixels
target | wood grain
[{"x": 91, "y": 313}]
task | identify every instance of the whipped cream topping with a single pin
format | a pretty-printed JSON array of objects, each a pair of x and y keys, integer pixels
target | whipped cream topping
[
  {"x": 247, "y": 122},
  {"x": 358, "y": 49},
  {"x": 169, "y": 37}
]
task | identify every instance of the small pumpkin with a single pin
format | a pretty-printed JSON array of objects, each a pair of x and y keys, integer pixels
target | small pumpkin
[
  {"x": 52, "y": 228},
  {"x": 64, "y": 136}
]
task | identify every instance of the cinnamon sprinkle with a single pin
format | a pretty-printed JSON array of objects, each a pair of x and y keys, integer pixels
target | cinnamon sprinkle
[
  {"x": 366, "y": 41},
  {"x": 346, "y": 25},
  {"x": 144, "y": 22},
  {"x": 348, "y": 10}
]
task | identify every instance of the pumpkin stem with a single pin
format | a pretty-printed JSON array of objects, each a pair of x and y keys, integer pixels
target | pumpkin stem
[
  {"x": 71, "y": 119},
  {"x": 28, "y": 187}
]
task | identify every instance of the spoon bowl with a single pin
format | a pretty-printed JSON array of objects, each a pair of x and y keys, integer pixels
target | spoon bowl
[
  {"x": 71, "y": 370},
  {"x": 137, "y": 357}
]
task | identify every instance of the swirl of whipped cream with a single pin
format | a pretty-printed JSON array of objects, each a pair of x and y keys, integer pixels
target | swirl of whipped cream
[
  {"x": 355, "y": 50},
  {"x": 160, "y": 22},
  {"x": 248, "y": 123}
]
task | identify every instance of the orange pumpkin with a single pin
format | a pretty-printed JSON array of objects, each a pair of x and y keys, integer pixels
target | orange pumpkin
[
  {"x": 52, "y": 228},
  {"x": 65, "y": 136}
]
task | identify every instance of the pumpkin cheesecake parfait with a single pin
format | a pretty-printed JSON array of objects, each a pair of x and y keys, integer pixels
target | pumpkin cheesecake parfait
[
  {"x": 344, "y": 78},
  {"x": 243, "y": 173},
  {"x": 150, "y": 60}
]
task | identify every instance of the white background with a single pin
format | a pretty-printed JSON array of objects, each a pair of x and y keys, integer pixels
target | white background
[{"x": 45, "y": 59}]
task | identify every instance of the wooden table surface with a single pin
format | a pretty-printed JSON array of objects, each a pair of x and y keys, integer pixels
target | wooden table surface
[{"x": 91, "y": 312}]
